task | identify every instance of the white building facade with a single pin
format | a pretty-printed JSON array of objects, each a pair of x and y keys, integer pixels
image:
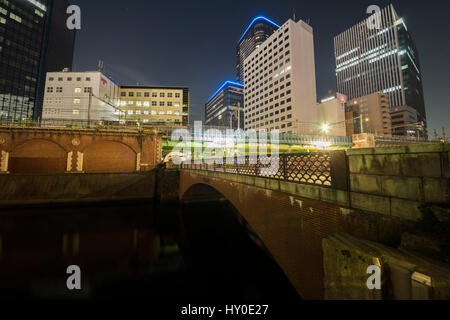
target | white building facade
[
  {"x": 81, "y": 96},
  {"x": 280, "y": 82},
  {"x": 331, "y": 115}
]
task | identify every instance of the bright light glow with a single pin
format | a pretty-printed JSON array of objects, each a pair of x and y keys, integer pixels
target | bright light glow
[
  {"x": 328, "y": 99},
  {"x": 325, "y": 128},
  {"x": 225, "y": 84},
  {"x": 253, "y": 22}
]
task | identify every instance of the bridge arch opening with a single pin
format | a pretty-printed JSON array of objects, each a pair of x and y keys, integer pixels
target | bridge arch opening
[
  {"x": 109, "y": 156},
  {"x": 201, "y": 193},
  {"x": 214, "y": 224},
  {"x": 38, "y": 156}
]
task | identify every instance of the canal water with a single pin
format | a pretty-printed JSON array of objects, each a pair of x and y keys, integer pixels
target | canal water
[{"x": 197, "y": 253}]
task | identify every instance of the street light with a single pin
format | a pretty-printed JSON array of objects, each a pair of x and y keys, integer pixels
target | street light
[{"x": 325, "y": 128}]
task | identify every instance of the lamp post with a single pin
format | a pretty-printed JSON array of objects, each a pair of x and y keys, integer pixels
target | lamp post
[{"x": 238, "y": 116}]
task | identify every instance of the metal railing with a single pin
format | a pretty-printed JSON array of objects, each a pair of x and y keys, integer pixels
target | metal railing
[
  {"x": 381, "y": 141},
  {"x": 68, "y": 124},
  {"x": 307, "y": 168}
]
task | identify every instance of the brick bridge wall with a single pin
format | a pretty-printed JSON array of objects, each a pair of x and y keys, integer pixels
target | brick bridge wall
[
  {"x": 381, "y": 201},
  {"x": 39, "y": 150}
]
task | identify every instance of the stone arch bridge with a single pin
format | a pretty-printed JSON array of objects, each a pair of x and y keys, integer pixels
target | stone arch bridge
[
  {"x": 371, "y": 194},
  {"x": 60, "y": 150}
]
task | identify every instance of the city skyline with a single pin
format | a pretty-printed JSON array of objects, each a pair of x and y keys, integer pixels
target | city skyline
[{"x": 200, "y": 67}]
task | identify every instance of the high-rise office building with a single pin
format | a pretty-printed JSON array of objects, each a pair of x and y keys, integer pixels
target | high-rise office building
[
  {"x": 34, "y": 39},
  {"x": 280, "y": 82},
  {"x": 225, "y": 108},
  {"x": 256, "y": 33},
  {"x": 382, "y": 57},
  {"x": 155, "y": 105}
]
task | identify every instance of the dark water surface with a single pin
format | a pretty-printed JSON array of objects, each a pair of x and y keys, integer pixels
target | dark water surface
[{"x": 190, "y": 253}]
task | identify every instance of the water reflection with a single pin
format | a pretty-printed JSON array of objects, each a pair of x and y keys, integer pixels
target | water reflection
[{"x": 195, "y": 252}]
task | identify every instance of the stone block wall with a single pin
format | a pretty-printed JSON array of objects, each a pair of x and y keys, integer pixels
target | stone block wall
[
  {"x": 404, "y": 275},
  {"x": 396, "y": 181}
]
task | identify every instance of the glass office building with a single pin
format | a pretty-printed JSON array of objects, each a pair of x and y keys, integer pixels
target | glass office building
[
  {"x": 34, "y": 39},
  {"x": 383, "y": 59},
  {"x": 225, "y": 107},
  {"x": 256, "y": 33}
]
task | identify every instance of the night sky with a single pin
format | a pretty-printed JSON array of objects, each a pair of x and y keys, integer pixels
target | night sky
[{"x": 193, "y": 43}]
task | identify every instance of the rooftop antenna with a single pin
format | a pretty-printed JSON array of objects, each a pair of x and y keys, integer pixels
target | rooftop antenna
[
  {"x": 294, "y": 15},
  {"x": 100, "y": 65}
]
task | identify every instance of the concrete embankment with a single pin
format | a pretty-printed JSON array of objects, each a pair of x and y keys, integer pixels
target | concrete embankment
[{"x": 76, "y": 188}]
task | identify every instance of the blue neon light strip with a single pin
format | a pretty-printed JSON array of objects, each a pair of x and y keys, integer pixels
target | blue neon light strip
[
  {"x": 253, "y": 22},
  {"x": 225, "y": 84}
]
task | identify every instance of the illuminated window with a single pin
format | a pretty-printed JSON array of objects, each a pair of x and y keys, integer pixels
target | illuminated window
[
  {"x": 77, "y": 90},
  {"x": 146, "y": 104},
  {"x": 76, "y": 101},
  {"x": 14, "y": 17},
  {"x": 76, "y": 111}
]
